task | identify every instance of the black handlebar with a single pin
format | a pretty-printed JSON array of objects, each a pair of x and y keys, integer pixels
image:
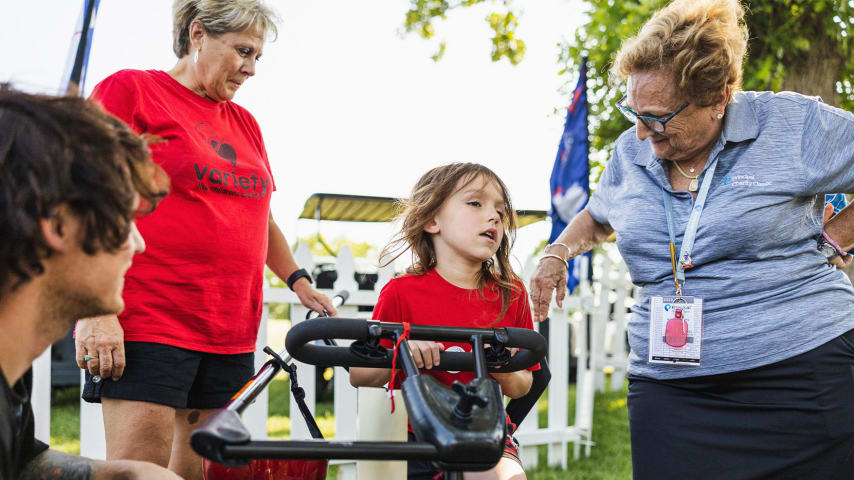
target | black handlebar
[
  {"x": 300, "y": 343},
  {"x": 444, "y": 438}
]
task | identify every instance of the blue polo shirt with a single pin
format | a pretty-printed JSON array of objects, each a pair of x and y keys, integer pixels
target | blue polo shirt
[{"x": 768, "y": 293}]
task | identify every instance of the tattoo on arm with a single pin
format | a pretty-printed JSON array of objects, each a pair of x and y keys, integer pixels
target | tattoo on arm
[{"x": 59, "y": 466}]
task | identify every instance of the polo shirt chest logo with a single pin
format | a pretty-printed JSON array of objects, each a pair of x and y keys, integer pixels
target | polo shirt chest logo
[{"x": 745, "y": 180}]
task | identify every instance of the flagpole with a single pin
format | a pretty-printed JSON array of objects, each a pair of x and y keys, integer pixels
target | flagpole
[
  {"x": 587, "y": 128},
  {"x": 81, "y": 55},
  {"x": 586, "y": 111}
]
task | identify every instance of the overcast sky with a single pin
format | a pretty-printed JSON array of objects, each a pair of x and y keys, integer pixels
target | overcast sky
[{"x": 345, "y": 102}]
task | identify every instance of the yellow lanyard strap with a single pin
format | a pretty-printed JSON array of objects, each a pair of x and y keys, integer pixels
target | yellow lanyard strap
[{"x": 673, "y": 263}]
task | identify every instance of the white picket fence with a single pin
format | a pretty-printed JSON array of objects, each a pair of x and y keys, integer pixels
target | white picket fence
[{"x": 599, "y": 306}]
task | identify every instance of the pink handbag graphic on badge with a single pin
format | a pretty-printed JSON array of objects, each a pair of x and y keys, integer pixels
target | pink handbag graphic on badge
[{"x": 676, "y": 330}]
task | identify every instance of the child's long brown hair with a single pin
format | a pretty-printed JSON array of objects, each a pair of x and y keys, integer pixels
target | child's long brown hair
[{"x": 428, "y": 195}]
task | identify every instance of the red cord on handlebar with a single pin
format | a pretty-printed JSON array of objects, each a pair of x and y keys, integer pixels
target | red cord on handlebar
[{"x": 403, "y": 336}]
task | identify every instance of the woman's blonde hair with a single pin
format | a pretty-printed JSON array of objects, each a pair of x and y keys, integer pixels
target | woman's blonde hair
[
  {"x": 428, "y": 196},
  {"x": 219, "y": 17},
  {"x": 701, "y": 43}
]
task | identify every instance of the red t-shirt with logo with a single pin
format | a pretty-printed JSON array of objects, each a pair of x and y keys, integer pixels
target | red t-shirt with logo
[
  {"x": 429, "y": 299},
  {"x": 198, "y": 285}
]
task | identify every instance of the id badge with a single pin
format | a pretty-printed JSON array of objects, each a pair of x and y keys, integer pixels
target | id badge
[{"x": 675, "y": 330}]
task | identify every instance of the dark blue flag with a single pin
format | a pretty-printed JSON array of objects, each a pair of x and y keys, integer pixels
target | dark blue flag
[{"x": 570, "y": 185}]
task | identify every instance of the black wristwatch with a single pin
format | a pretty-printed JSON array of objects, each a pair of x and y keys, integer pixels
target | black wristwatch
[
  {"x": 827, "y": 250},
  {"x": 301, "y": 273}
]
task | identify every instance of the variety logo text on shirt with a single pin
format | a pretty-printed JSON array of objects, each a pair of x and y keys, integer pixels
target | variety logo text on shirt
[
  {"x": 216, "y": 180},
  {"x": 744, "y": 181},
  {"x": 223, "y": 181}
]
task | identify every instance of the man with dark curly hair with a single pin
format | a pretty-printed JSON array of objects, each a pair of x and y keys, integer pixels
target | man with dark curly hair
[{"x": 72, "y": 178}]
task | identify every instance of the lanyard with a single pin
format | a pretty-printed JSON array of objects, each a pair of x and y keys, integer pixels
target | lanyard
[{"x": 690, "y": 230}]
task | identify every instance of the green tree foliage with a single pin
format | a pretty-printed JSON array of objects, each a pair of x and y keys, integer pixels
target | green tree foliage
[
  {"x": 319, "y": 246},
  {"x": 423, "y": 14},
  {"x": 800, "y": 45}
]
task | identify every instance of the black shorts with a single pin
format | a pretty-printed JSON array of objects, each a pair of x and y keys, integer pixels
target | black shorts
[
  {"x": 793, "y": 419},
  {"x": 174, "y": 376}
]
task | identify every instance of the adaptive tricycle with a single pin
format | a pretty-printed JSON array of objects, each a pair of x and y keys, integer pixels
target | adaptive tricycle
[{"x": 461, "y": 428}]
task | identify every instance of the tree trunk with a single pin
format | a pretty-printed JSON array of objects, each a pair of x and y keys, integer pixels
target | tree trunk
[{"x": 815, "y": 72}]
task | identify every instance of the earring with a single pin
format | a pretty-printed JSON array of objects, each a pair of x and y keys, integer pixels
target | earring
[
  {"x": 196, "y": 58},
  {"x": 720, "y": 116}
]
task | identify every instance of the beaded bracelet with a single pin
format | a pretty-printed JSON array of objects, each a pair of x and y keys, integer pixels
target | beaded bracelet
[{"x": 832, "y": 243}]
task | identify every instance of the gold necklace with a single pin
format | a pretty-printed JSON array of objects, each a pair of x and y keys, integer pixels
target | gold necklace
[{"x": 694, "y": 184}]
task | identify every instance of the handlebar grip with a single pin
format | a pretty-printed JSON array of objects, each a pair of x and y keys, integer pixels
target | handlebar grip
[
  {"x": 344, "y": 294},
  {"x": 299, "y": 340},
  {"x": 464, "y": 361},
  {"x": 527, "y": 339},
  {"x": 339, "y": 299}
]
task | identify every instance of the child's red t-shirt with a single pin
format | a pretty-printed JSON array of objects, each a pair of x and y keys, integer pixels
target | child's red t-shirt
[
  {"x": 198, "y": 285},
  {"x": 429, "y": 299}
]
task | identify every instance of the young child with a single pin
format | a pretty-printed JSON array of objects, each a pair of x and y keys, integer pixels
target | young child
[{"x": 459, "y": 224}]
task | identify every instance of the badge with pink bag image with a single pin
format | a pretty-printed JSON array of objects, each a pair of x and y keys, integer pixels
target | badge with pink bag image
[{"x": 675, "y": 330}]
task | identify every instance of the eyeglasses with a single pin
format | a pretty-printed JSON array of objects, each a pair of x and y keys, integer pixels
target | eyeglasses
[{"x": 655, "y": 124}]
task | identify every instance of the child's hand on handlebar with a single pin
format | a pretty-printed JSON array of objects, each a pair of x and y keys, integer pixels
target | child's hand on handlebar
[{"x": 426, "y": 353}]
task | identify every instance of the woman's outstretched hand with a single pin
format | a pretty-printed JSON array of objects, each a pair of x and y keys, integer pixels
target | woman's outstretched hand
[{"x": 549, "y": 277}]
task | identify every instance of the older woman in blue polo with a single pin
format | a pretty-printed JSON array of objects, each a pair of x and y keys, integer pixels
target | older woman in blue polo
[{"x": 717, "y": 197}]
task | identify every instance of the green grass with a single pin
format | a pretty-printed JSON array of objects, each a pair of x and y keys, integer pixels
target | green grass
[
  {"x": 610, "y": 458},
  {"x": 65, "y": 420}
]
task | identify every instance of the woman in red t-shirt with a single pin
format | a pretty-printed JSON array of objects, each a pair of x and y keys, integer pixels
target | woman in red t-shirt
[
  {"x": 460, "y": 226},
  {"x": 184, "y": 344}
]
